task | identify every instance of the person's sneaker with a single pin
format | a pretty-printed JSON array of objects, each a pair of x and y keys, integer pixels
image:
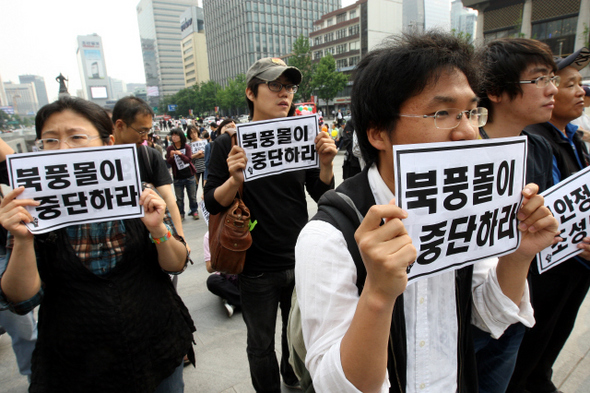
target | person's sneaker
[
  {"x": 229, "y": 308},
  {"x": 196, "y": 216},
  {"x": 182, "y": 217},
  {"x": 293, "y": 385}
]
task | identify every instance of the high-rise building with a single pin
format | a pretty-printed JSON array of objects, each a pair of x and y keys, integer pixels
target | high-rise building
[
  {"x": 93, "y": 69},
  {"x": 350, "y": 32},
  {"x": 194, "y": 47},
  {"x": 3, "y": 99},
  {"x": 421, "y": 15},
  {"x": 22, "y": 97},
  {"x": 160, "y": 46},
  {"x": 118, "y": 88},
  {"x": 239, "y": 32},
  {"x": 463, "y": 19},
  {"x": 40, "y": 88},
  {"x": 560, "y": 24}
]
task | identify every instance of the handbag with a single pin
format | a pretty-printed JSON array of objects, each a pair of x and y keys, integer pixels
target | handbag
[{"x": 229, "y": 235}]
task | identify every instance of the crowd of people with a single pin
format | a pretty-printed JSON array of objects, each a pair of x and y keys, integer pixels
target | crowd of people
[{"x": 111, "y": 320}]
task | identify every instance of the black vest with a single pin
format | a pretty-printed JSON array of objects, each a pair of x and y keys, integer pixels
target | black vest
[
  {"x": 358, "y": 189},
  {"x": 122, "y": 332}
]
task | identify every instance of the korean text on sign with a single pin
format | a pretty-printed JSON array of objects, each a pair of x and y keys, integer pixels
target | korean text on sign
[
  {"x": 569, "y": 201},
  {"x": 77, "y": 186},
  {"x": 461, "y": 198},
  {"x": 280, "y": 145}
]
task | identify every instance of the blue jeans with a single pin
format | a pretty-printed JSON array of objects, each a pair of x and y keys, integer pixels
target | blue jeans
[
  {"x": 261, "y": 296},
  {"x": 191, "y": 190},
  {"x": 174, "y": 383},
  {"x": 496, "y": 358}
]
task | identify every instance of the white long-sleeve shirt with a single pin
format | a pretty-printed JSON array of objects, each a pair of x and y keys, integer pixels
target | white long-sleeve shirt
[{"x": 325, "y": 277}]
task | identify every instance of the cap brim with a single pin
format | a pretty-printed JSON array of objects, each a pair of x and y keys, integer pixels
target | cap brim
[
  {"x": 274, "y": 73},
  {"x": 578, "y": 60}
]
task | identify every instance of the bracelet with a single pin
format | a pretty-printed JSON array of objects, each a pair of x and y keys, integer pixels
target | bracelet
[{"x": 162, "y": 239}]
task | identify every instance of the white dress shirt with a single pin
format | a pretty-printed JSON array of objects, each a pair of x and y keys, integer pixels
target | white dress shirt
[{"x": 325, "y": 277}]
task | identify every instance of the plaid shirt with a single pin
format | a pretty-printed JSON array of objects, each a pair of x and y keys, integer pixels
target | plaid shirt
[{"x": 99, "y": 246}]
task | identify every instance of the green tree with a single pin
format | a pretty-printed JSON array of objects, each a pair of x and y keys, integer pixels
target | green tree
[
  {"x": 208, "y": 96},
  {"x": 301, "y": 59},
  {"x": 327, "y": 81}
]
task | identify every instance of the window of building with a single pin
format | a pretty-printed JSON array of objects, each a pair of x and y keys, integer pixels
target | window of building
[
  {"x": 191, "y": 80},
  {"x": 354, "y": 45},
  {"x": 317, "y": 55},
  {"x": 352, "y": 61},
  {"x": 192, "y": 72},
  {"x": 189, "y": 58},
  {"x": 330, "y": 22},
  {"x": 352, "y": 14},
  {"x": 186, "y": 51},
  {"x": 329, "y": 37},
  {"x": 341, "y": 17},
  {"x": 330, "y": 50},
  {"x": 340, "y": 33},
  {"x": 340, "y": 48},
  {"x": 341, "y": 63},
  {"x": 317, "y": 40},
  {"x": 353, "y": 30},
  {"x": 192, "y": 64}
]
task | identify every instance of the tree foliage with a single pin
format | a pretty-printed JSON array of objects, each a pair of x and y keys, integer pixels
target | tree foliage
[
  {"x": 326, "y": 80},
  {"x": 204, "y": 97},
  {"x": 301, "y": 59}
]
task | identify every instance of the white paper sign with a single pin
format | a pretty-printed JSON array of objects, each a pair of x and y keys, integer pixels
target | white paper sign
[
  {"x": 569, "y": 201},
  {"x": 78, "y": 186},
  {"x": 279, "y": 145},
  {"x": 461, "y": 199},
  {"x": 179, "y": 163},
  {"x": 198, "y": 145}
]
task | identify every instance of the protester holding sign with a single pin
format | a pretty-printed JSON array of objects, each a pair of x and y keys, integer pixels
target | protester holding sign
[
  {"x": 558, "y": 293},
  {"x": 110, "y": 319},
  {"x": 278, "y": 211},
  {"x": 178, "y": 156},
  {"x": 512, "y": 106},
  {"x": 414, "y": 337},
  {"x": 198, "y": 146}
]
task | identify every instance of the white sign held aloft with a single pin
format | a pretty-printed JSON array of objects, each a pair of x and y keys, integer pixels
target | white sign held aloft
[{"x": 76, "y": 186}]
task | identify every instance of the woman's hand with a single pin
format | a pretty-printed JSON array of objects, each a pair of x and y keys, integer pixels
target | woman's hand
[
  {"x": 154, "y": 209},
  {"x": 14, "y": 215}
]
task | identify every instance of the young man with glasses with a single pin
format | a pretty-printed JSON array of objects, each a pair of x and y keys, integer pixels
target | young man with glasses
[
  {"x": 132, "y": 122},
  {"x": 278, "y": 206},
  {"x": 517, "y": 87},
  {"x": 558, "y": 293},
  {"x": 393, "y": 338}
]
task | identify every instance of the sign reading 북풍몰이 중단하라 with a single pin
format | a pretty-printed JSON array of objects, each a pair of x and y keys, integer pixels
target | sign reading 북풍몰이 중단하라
[
  {"x": 461, "y": 198},
  {"x": 279, "y": 145},
  {"x": 77, "y": 186},
  {"x": 569, "y": 201}
]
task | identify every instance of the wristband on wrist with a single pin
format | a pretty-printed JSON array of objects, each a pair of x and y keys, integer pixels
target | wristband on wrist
[{"x": 162, "y": 239}]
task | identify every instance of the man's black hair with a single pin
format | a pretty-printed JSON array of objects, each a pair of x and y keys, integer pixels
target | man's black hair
[
  {"x": 502, "y": 62},
  {"x": 398, "y": 70},
  {"x": 127, "y": 108},
  {"x": 91, "y": 111}
]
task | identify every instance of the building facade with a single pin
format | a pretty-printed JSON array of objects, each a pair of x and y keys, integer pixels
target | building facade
[
  {"x": 239, "y": 32},
  {"x": 194, "y": 47},
  {"x": 40, "y": 88},
  {"x": 421, "y": 15},
  {"x": 463, "y": 19},
  {"x": 93, "y": 69},
  {"x": 350, "y": 32},
  {"x": 3, "y": 99},
  {"x": 22, "y": 97},
  {"x": 160, "y": 45},
  {"x": 563, "y": 24}
]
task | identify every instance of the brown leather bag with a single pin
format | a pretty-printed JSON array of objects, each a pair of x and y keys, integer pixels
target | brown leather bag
[{"x": 229, "y": 236}]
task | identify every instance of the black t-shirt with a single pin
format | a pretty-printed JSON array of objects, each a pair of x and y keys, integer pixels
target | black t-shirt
[{"x": 152, "y": 167}]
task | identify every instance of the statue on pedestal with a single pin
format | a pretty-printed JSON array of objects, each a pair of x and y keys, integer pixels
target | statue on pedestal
[{"x": 63, "y": 90}]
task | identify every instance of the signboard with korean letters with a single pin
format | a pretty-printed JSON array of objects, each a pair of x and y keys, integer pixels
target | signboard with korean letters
[
  {"x": 569, "y": 201},
  {"x": 461, "y": 198},
  {"x": 279, "y": 145},
  {"x": 76, "y": 186}
]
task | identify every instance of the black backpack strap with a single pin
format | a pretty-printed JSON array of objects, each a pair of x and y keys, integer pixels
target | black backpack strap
[{"x": 340, "y": 211}]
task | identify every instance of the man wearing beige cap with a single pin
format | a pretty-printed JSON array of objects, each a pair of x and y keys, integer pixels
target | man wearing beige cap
[{"x": 278, "y": 207}]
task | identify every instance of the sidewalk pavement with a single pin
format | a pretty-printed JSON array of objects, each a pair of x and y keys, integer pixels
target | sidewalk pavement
[{"x": 222, "y": 364}]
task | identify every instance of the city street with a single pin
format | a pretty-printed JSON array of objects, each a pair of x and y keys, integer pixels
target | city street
[{"x": 222, "y": 365}]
